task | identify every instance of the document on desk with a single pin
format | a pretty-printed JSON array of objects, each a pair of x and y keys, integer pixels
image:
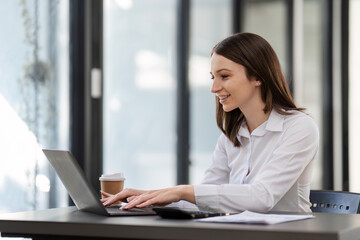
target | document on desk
[{"x": 248, "y": 217}]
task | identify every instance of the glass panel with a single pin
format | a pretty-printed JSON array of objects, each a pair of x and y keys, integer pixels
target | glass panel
[
  {"x": 269, "y": 20},
  {"x": 210, "y": 22},
  {"x": 313, "y": 72},
  {"x": 33, "y": 101},
  {"x": 140, "y": 91},
  {"x": 354, "y": 96}
]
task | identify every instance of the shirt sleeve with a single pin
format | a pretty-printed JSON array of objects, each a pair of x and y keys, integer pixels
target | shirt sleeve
[{"x": 297, "y": 149}]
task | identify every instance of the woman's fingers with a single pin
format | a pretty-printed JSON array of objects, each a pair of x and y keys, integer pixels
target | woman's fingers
[
  {"x": 110, "y": 200},
  {"x": 158, "y": 197},
  {"x": 129, "y": 199},
  {"x": 138, "y": 200},
  {"x": 141, "y": 198},
  {"x": 105, "y": 194},
  {"x": 152, "y": 201},
  {"x": 122, "y": 196}
]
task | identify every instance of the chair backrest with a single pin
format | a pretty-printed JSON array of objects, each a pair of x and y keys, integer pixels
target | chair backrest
[{"x": 335, "y": 201}]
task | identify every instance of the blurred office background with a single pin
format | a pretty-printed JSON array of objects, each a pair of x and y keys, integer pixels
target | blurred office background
[{"x": 125, "y": 86}]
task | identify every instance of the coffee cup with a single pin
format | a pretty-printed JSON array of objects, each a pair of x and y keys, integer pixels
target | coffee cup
[{"x": 112, "y": 184}]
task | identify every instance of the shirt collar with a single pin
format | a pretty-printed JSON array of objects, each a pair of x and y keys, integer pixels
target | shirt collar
[
  {"x": 244, "y": 131},
  {"x": 273, "y": 124}
]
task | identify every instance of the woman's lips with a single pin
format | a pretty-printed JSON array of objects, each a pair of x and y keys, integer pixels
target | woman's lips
[{"x": 223, "y": 98}]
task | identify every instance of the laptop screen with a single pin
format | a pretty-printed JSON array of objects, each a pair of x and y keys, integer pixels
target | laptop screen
[{"x": 73, "y": 178}]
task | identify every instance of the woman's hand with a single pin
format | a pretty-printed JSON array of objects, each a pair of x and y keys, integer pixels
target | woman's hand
[
  {"x": 125, "y": 196},
  {"x": 161, "y": 197}
]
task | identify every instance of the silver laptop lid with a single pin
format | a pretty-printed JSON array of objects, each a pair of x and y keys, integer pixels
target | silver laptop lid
[{"x": 73, "y": 178}]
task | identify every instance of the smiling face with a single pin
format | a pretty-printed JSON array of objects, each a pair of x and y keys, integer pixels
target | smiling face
[{"x": 231, "y": 85}]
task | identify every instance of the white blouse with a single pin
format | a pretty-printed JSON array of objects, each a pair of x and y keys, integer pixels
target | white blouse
[{"x": 271, "y": 170}]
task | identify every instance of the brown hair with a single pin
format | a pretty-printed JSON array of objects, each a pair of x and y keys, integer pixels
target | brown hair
[{"x": 260, "y": 61}]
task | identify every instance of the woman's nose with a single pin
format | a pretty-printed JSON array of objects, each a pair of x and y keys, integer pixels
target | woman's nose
[{"x": 215, "y": 86}]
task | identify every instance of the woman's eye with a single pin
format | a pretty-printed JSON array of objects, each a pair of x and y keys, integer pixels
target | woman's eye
[{"x": 222, "y": 76}]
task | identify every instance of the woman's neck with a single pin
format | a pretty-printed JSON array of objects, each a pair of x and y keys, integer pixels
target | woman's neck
[{"x": 255, "y": 118}]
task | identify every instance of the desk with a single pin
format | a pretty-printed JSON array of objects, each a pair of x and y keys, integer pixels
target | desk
[{"x": 68, "y": 223}]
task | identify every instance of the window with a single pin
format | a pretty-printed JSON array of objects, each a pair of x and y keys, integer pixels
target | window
[
  {"x": 140, "y": 91},
  {"x": 354, "y": 97},
  {"x": 210, "y": 23},
  {"x": 312, "y": 76},
  {"x": 33, "y": 101},
  {"x": 269, "y": 20}
]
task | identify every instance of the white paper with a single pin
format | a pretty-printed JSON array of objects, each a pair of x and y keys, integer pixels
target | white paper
[{"x": 256, "y": 218}]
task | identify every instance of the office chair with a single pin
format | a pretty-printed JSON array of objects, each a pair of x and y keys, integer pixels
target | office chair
[{"x": 335, "y": 201}]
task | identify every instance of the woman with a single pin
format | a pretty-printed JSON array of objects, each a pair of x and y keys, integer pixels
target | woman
[{"x": 264, "y": 156}]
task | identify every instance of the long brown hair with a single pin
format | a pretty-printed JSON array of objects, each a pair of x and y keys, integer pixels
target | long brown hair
[{"x": 260, "y": 61}]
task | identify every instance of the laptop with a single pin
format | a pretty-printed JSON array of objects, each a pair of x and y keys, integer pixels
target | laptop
[{"x": 80, "y": 191}]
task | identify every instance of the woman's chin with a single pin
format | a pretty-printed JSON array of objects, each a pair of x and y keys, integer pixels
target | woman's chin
[{"x": 227, "y": 108}]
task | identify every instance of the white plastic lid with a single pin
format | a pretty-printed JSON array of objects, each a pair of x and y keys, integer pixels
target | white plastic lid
[{"x": 112, "y": 177}]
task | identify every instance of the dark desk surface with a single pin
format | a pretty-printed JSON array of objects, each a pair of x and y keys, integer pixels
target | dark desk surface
[{"x": 70, "y": 223}]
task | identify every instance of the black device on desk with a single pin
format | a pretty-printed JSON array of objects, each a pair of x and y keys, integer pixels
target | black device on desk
[{"x": 177, "y": 213}]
